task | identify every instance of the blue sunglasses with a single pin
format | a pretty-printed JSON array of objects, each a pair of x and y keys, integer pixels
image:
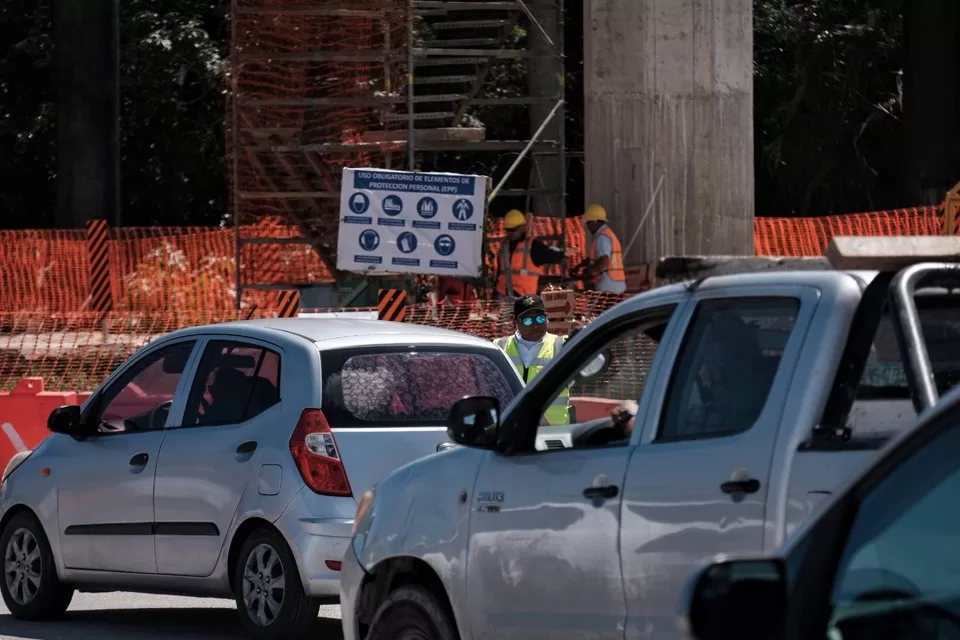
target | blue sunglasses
[{"x": 528, "y": 321}]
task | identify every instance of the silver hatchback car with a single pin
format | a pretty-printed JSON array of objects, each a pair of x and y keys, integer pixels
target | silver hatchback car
[{"x": 224, "y": 460}]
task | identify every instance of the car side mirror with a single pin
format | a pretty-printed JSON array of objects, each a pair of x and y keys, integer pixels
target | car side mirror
[
  {"x": 474, "y": 422},
  {"x": 65, "y": 419},
  {"x": 743, "y": 599}
]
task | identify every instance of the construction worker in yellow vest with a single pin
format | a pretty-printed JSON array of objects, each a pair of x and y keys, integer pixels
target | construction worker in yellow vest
[
  {"x": 603, "y": 268},
  {"x": 521, "y": 259},
  {"x": 531, "y": 348}
]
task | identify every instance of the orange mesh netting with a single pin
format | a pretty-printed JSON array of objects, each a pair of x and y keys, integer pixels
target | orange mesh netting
[
  {"x": 810, "y": 236},
  {"x": 166, "y": 279},
  {"x": 304, "y": 76}
]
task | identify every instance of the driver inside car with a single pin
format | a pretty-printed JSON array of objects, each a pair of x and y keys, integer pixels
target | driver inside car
[{"x": 223, "y": 408}]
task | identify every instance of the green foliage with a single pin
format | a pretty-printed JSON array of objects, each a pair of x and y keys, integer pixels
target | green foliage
[
  {"x": 172, "y": 93},
  {"x": 827, "y": 109},
  {"x": 827, "y": 98}
]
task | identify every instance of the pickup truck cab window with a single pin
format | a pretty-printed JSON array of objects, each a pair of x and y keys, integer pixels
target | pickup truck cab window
[
  {"x": 726, "y": 367},
  {"x": 614, "y": 375}
]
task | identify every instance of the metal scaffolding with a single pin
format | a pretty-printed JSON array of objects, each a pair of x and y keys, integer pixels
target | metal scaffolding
[{"x": 319, "y": 86}]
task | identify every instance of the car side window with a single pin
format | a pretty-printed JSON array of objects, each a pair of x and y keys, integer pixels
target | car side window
[
  {"x": 726, "y": 366},
  {"x": 235, "y": 382},
  {"x": 900, "y": 568},
  {"x": 140, "y": 400},
  {"x": 612, "y": 376}
]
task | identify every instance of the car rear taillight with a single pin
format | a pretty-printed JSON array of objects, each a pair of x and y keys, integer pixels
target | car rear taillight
[{"x": 315, "y": 452}]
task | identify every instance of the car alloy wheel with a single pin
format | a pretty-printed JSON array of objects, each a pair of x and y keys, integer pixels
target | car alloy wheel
[
  {"x": 263, "y": 584},
  {"x": 22, "y": 566}
]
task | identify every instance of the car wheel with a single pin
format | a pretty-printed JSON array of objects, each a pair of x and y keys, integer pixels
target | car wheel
[
  {"x": 269, "y": 594},
  {"x": 412, "y": 613},
  {"x": 30, "y": 586}
]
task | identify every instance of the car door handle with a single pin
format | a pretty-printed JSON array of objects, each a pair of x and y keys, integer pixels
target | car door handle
[
  {"x": 607, "y": 492},
  {"x": 750, "y": 485},
  {"x": 139, "y": 460},
  {"x": 247, "y": 447}
]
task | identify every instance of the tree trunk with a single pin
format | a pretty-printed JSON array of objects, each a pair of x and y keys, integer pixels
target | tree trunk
[{"x": 88, "y": 120}]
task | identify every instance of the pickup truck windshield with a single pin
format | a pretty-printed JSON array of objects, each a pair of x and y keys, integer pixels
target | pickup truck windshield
[{"x": 884, "y": 377}]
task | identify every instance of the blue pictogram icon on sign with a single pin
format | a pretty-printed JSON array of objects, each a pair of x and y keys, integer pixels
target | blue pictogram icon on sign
[
  {"x": 369, "y": 240},
  {"x": 445, "y": 245},
  {"x": 427, "y": 207},
  {"x": 392, "y": 205},
  {"x": 462, "y": 209},
  {"x": 407, "y": 242},
  {"x": 359, "y": 203}
]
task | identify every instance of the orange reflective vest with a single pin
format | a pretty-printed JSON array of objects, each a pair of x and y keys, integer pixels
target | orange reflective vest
[
  {"x": 518, "y": 275},
  {"x": 615, "y": 264}
]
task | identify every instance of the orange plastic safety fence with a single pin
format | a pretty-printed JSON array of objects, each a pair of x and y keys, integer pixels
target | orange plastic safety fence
[
  {"x": 810, "y": 236},
  {"x": 75, "y": 351},
  {"x": 166, "y": 279},
  {"x": 194, "y": 268}
]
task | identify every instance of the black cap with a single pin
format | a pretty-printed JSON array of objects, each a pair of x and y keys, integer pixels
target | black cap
[{"x": 525, "y": 304}]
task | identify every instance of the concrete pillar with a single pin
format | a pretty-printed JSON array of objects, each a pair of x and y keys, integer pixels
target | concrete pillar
[{"x": 669, "y": 91}]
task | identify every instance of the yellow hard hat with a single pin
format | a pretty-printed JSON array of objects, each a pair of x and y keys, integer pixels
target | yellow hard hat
[
  {"x": 514, "y": 219},
  {"x": 595, "y": 213}
]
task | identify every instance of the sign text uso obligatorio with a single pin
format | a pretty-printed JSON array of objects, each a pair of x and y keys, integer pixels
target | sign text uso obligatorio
[{"x": 401, "y": 181}]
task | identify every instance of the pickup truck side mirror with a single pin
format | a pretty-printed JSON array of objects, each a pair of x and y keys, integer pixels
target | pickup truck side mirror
[
  {"x": 65, "y": 419},
  {"x": 474, "y": 422},
  {"x": 743, "y": 599}
]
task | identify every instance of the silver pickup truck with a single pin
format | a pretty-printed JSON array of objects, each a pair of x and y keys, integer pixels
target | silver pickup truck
[{"x": 769, "y": 383}]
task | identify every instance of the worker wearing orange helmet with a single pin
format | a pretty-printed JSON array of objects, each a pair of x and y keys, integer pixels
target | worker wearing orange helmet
[
  {"x": 603, "y": 268},
  {"x": 521, "y": 258}
]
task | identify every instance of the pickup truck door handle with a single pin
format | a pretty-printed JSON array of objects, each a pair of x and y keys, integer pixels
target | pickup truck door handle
[
  {"x": 605, "y": 493},
  {"x": 139, "y": 460},
  {"x": 247, "y": 447},
  {"x": 750, "y": 485}
]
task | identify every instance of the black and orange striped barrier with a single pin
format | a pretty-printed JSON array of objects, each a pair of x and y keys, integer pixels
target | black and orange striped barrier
[
  {"x": 289, "y": 304},
  {"x": 98, "y": 256},
  {"x": 392, "y": 305}
]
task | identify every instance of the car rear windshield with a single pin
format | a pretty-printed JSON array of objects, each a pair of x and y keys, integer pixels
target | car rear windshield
[
  {"x": 406, "y": 387},
  {"x": 884, "y": 376}
]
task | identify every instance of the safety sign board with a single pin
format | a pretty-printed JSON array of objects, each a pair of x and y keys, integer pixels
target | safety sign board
[{"x": 409, "y": 222}]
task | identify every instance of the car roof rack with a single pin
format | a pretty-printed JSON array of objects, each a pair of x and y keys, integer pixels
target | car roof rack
[
  {"x": 890, "y": 253},
  {"x": 844, "y": 253}
]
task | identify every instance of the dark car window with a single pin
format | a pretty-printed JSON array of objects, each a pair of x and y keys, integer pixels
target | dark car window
[
  {"x": 884, "y": 376},
  {"x": 405, "y": 387},
  {"x": 726, "y": 366},
  {"x": 899, "y": 575},
  {"x": 140, "y": 400},
  {"x": 235, "y": 382}
]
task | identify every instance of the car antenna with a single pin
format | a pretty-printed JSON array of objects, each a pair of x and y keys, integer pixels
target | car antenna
[{"x": 253, "y": 309}]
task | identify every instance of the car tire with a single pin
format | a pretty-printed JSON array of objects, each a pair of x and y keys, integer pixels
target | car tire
[
  {"x": 411, "y": 612},
  {"x": 30, "y": 586},
  {"x": 268, "y": 611}
]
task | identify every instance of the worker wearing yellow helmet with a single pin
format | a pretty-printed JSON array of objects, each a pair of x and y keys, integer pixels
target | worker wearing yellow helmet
[
  {"x": 521, "y": 259},
  {"x": 603, "y": 268}
]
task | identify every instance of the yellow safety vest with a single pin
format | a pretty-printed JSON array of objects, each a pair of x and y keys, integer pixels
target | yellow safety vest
[{"x": 559, "y": 410}]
